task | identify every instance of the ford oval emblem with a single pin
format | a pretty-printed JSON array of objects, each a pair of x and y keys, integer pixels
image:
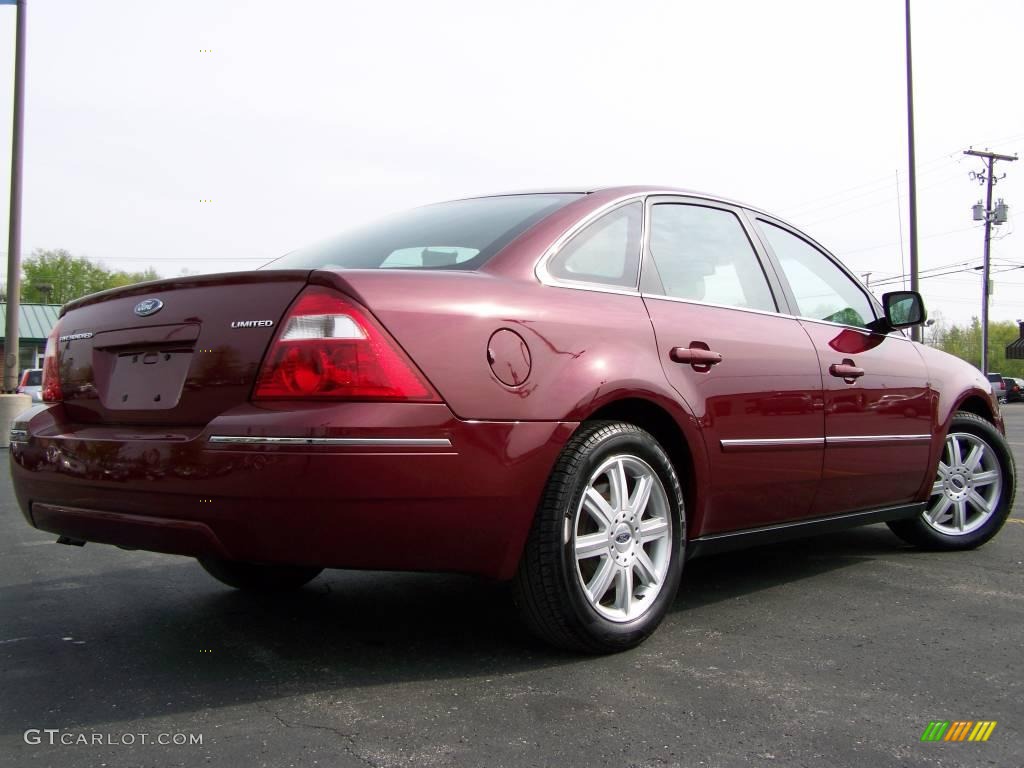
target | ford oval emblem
[{"x": 148, "y": 307}]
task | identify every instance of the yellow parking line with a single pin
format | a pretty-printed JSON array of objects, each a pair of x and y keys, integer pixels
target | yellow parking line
[{"x": 1019, "y": 520}]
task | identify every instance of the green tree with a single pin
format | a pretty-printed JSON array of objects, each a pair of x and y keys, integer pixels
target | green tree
[
  {"x": 965, "y": 343},
  {"x": 57, "y": 277}
]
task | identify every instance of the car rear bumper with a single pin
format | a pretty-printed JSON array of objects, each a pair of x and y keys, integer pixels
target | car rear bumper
[{"x": 400, "y": 486}]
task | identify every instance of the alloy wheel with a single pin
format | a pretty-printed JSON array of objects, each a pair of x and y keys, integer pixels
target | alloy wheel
[
  {"x": 621, "y": 538},
  {"x": 967, "y": 488}
]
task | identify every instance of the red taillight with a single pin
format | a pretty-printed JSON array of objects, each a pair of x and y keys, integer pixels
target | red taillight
[
  {"x": 51, "y": 369},
  {"x": 328, "y": 348}
]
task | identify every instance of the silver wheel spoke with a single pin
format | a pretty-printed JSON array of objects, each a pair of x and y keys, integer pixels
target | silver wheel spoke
[
  {"x": 986, "y": 478},
  {"x": 599, "y": 509},
  {"x": 624, "y": 589},
  {"x": 974, "y": 457},
  {"x": 653, "y": 528},
  {"x": 936, "y": 513},
  {"x": 938, "y": 488},
  {"x": 619, "y": 494},
  {"x": 641, "y": 493},
  {"x": 645, "y": 569},
  {"x": 954, "y": 450},
  {"x": 980, "y": 504},
  {"x": 602, "y": 580},
  {"x": 591, "y": 545},
  {"x": 959, "y": 514}
]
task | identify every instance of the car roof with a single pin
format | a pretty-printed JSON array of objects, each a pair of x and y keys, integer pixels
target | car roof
[{"x": 632, "y": 189}]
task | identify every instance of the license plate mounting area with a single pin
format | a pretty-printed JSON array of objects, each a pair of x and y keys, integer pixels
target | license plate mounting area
[{"x": 147, "y": 379}]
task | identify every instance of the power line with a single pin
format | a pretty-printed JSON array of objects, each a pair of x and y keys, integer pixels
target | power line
[
  {"x": 901, "y": 278},
  {"x": 896, "y": 242},
  {"x": 937, "y": 163},
  {"x": 882, "y": 181},
  {"x": 878, "y": 203},
  {"x": 807, "y": 209}
]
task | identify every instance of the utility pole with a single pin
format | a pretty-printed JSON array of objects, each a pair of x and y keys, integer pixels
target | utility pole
[
  {"x": 990, "y": 216},
  {"x": 11, "y": 340},
  {"x": 915, "y": 331}
]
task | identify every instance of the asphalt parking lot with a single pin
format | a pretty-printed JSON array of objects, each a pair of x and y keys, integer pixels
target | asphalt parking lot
[{"x": 835, "y": 651}]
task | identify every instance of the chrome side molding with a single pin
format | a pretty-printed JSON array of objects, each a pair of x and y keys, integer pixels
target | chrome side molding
[
  {"x": 354, "y": 442},
  {"x": 756, "y": 444},
  {"x": 861, "y": 439}
]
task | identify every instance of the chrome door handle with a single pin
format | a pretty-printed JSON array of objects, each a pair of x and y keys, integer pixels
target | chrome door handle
[
  {"x": 695, "y": 356},
  {"x": 846, "y": 371}
]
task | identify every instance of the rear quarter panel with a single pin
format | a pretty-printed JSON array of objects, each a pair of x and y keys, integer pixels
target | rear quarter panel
[{"x": 587, "y": 348}]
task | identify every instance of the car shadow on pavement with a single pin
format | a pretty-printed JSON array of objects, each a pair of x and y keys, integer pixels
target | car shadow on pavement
[
  {"x": 708, "y": 580},
  {"x": 162, "y": 638}
]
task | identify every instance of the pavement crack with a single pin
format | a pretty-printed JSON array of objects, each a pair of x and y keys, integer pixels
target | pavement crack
[{"x": 349, "y": 738}]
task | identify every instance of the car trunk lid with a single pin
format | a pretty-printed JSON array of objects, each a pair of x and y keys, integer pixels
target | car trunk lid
[{"x": 177, "y": 351}]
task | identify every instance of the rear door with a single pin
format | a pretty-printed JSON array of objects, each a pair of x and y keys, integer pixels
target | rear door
[
  {"x": 749, "y": 373},
  {"x": 878, "y": 405}
]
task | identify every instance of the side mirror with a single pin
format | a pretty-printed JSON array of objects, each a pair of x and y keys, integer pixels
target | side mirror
[{"x": 903, "y": 309}]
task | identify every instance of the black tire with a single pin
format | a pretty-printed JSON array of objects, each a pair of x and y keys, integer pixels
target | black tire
[
  {"x": 547, "y": 587},
  {"x": 919, "y": 532},
  {"x": 254, "y": 577}
]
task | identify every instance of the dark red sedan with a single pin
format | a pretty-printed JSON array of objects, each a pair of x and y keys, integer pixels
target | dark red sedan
[{"x": 573, "y": 391}]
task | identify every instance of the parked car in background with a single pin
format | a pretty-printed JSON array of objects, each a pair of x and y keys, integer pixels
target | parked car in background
[
  {"x": 1014, "y": 389},
  {"x": 32, "y": 384},
  {"x": 573, "y": 392},
  {"x": 998, "y": 386}
]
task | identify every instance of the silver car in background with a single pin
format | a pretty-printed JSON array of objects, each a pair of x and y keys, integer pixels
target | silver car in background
[
  {"x": 998, "y": 386},
  {"x": 32, "y": 384}
]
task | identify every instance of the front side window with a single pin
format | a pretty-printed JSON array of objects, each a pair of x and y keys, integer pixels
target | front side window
[
  {"x": 606, "y": 251},
  {"x": 703, "y": 254},
  {"x": 823, "y": 291}
]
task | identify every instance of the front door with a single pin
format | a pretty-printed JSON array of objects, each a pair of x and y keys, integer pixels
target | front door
[
  {"x": 878, "y": 406},
  {"x": 749, "y": 374}
]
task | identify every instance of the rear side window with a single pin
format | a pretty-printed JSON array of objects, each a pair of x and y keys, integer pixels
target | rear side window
[
  {"x": 703, "y": 254},
  {"x": 461, "y": 234},
  {"x": 606, "y": 252},
  {"x": 33, "y": 378}
]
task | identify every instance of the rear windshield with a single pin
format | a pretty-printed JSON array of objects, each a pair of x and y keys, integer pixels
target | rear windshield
[
  {"x": 462, "y": 234},
  {"x": 33, "y": 378}
]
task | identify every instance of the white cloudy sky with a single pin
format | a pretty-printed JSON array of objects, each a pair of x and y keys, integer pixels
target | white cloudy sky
[{"x": 308, "y": 117}]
